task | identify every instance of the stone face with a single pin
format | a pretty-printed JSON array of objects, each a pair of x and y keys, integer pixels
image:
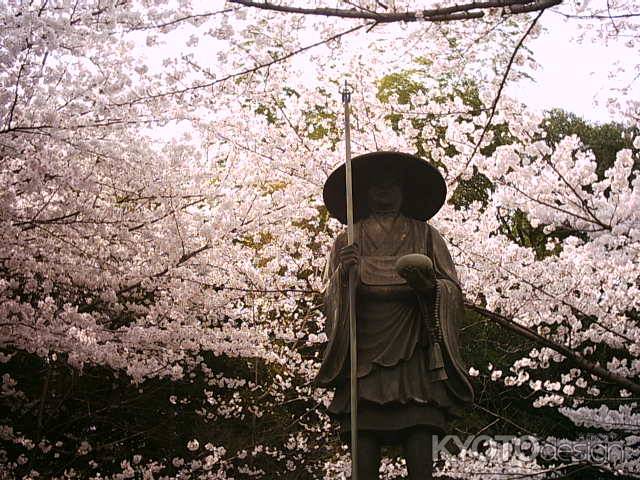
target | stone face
[{"x": 411, "y": 379}]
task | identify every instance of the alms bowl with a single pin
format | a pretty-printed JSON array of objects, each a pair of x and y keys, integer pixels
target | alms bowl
[{"x": 414, "y": 260}]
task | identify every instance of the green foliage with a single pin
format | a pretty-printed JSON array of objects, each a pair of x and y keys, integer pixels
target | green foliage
[
  {"x": 604, "y": 140},
  {"x": 474, "y": 189},
  {"x": 401, "y": 85},
  {"x": 321, "y": 123},
  {"x": 267, "y": 113}
]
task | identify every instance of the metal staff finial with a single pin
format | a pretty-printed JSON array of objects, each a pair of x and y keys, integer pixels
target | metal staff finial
[
  {"x": 346, "y": 92},
  {"x": 346, "y": 100}
]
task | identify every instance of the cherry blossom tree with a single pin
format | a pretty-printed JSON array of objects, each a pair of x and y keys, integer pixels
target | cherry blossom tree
[{"x": 163, "y": 236}]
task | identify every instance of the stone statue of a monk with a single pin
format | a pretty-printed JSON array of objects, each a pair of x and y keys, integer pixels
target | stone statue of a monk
[{"x": 411, "y": 379}]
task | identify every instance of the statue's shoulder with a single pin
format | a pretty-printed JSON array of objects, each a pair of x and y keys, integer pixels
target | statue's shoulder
[
  {"x": 341, "y": 239},
  {"x": 424, "y": 225},
  {"x": 434, "y": 236},
  {"x": 437, "y": 238},
  {"x": 429, "y": 228}
]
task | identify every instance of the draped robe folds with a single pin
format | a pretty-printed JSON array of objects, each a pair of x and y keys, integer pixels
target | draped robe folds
[{"x": 399, "y": 385}]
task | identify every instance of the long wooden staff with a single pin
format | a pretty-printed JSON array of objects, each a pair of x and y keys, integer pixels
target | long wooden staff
[{"x": 346, "y": 99}]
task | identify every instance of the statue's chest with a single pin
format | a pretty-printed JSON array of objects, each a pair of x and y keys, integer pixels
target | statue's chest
[
  {"x": 382, "y": 242},
  {"x": 389, "y": 237}
]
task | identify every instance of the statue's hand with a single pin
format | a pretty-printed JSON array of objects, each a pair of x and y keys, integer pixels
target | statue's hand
[
  {"x": 420, "y": 280},
  {"x": 349, "y": 256},
  {"x": 418, "y": 271}
]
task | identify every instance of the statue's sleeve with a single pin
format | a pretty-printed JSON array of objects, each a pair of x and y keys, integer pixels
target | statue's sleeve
[
  {"x": 335, "y": 300},
  {"x": 334, "y": 283},
  {"x": 449, "y": 308}
]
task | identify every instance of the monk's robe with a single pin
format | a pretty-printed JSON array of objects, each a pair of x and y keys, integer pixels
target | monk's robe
[{"x": 409, "y": 367}]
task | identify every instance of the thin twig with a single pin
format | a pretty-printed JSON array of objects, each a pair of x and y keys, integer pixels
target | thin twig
[
  {"x": 503, "y": 82},
  {"x": 242, "y": 72}
]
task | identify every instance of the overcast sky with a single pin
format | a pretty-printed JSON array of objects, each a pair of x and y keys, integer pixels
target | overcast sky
[{"x": 572, "y": 74}]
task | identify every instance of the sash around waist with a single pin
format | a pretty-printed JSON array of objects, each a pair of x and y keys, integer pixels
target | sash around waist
[{"x": 385, "y": 292}]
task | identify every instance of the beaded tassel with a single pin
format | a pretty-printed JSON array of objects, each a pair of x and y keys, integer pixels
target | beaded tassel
[
  {"x": 435, "y": 358},
  {"x": 436, "y": 316}
]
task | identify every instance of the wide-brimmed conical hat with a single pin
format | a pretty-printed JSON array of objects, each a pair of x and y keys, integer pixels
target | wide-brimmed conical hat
[{"x": 424, "y": 189}]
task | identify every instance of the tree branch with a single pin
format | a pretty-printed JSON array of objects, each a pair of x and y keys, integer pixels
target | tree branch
[
  {"x": 175, "y": 21},
  {"x": 183, "y": 259},
  {"x": 15, "y": 97},
  {"x": 454, "y": 12},
  {"x": 598, "y": 17},
  {"x": 573, "y": 357}
]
